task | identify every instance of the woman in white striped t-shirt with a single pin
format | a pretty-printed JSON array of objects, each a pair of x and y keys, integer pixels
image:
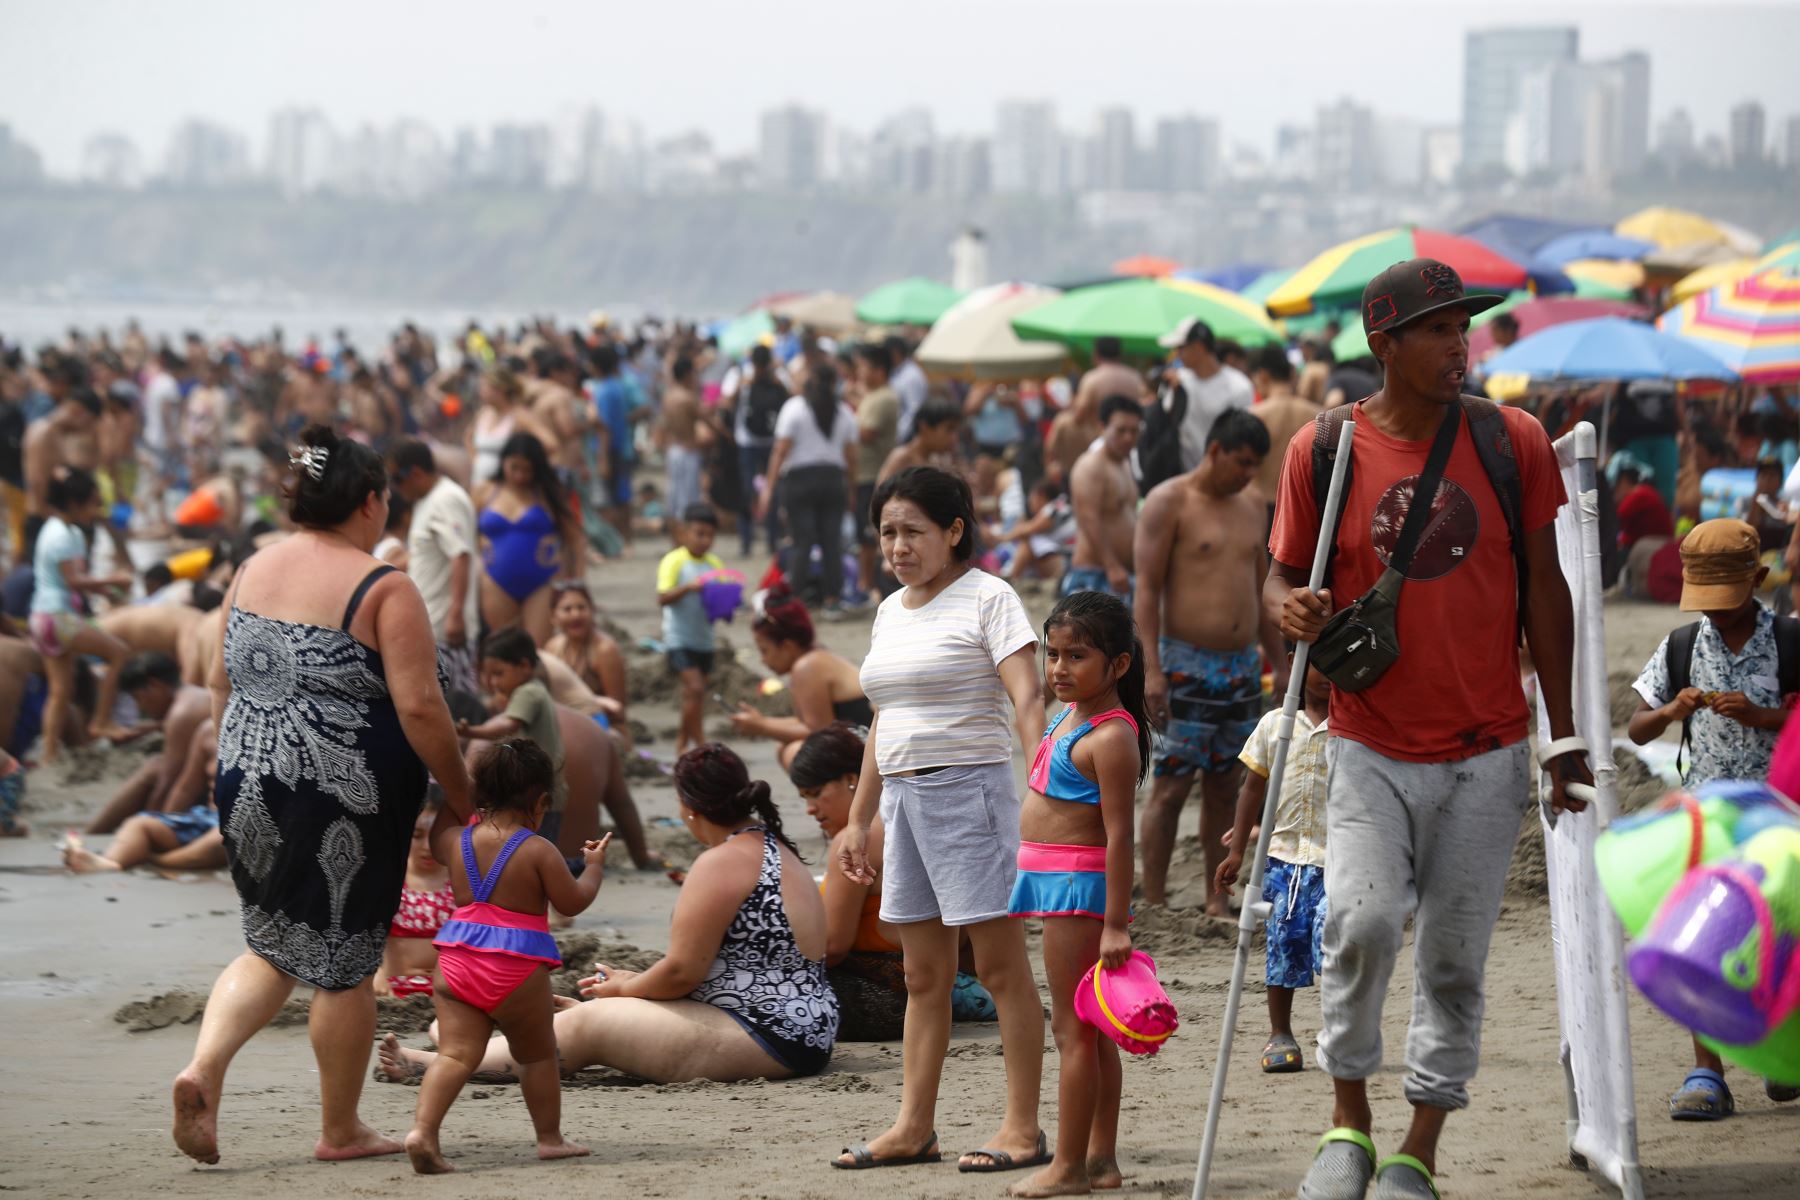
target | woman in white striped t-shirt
[{"x": 946, "y": 655}]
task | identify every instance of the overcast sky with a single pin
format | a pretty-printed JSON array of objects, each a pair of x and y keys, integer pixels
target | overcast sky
[{"x": 70, "y": 68}]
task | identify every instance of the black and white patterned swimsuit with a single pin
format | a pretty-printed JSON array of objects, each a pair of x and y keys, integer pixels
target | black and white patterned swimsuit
[
  {"x": 761, "y": 979},
  {"x": 317, "y": 792}
]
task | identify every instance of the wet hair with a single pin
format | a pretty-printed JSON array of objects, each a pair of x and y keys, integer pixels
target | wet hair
[
  {"x": 943, "y": 497},
  {"x": 512, "y": 775},
  {"x": 878, "y": 356},
  {"x": 150, "y": 665},
  {"x": 1104, "y": 622},
  {"x": 206, "y": 597},
  {"x": 157, "y": 576},
  {"x": 88, "y": 399},
  {"x": 1236, "y": 430},
  {"x": 511, "y": 645},
  {"x": 700, "y": 514},
  {"x": 760, "y": 355},
  {"x": 821, "y": 397},
  {"x": 1273, "y": 362},
  {"x": 784, "y": 619},
  {"x": 71, "y": 487},
  {"x": 934, "y": 414},
  {"x": 827, "y": 754},
  {"x": 410, "y": 454},
  {"x": 713, "y": 782},
  {"x": 1108, "y": 348},
  {"x": 350, "y": 473},
  {"x": 543, "y": 476},
  {"x": 1119, "y": 404}
]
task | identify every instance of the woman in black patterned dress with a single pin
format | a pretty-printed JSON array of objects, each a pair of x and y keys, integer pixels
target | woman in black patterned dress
[{"x": 329, "y": 712}]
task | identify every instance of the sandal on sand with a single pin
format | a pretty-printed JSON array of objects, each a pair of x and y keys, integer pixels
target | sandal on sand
[
  {"x": 863, "y": 1159},
  {"x": 1780, "y": 1093},
  {"x": 1282, "y": 1056},
  {"x": 1403, "y": 1177},
  {"x": 1342, "y": 1166},
  {"x": 1702, "y": 1096},
  {"x": 1000, "y": 1160}
]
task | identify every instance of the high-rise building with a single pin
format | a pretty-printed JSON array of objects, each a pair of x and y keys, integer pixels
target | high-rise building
[
  {"x": 1399, "y": 150},
  {"x": 1581, "y": 116},
  {"x": 791, "y": 154},
  {"x": 1495, "y": 61},
  {"x": 1675, "y": 139},
  {"x": 1115, "y": 150},
  {"x": 962, "y": 168},
  {"x": 1749, "y": 136},
  {"x": 302, "y": 148},
  {"x": 1185, "y": 157},
  {"x": 413, "y": 162},
  {"x": 1443, "y": 154},
  {"x": 902, "y": 153},
  {"x": 111, "y": 160},
  {"x": 519, "y": 157},
  {"x": 577, "y": 150},
  {"x": 1631, "y": 76},
  {"x": 204, "y": 155},
  {"x": 1344, "y": 146},
  {"x": 1791, "y": 144},
  {"x": 20, "y": 164},
  {"x": 1027, "y": 153}
]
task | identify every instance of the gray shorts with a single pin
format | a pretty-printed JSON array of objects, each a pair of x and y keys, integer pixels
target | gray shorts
[{"x": 951, "y": 849}]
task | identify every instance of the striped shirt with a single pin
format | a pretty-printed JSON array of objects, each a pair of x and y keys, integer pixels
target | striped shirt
[{"x": 932, "y": 675}]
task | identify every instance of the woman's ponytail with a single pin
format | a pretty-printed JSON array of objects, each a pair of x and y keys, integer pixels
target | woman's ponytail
[
  {"x": 757, "y": 798},
  {"x": 713, "y": 781}
]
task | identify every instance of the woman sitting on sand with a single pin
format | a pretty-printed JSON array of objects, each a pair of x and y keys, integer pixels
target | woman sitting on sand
[
  {"x": 582, "y": 644},
  {"x": 825, "y": 686},
  {"x": 741, "y": 993}
]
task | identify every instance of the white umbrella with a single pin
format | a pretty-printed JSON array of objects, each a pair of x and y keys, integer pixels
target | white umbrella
[
  {"x": 827, "y": 312},
  {"x": 974, "y": 339}
]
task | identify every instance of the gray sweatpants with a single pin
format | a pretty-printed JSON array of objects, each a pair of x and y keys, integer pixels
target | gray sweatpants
[{"x": 1429, "y": 839}]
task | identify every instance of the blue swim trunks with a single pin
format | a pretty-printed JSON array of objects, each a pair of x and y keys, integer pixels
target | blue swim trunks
[
  {"x": 190, "y": 824},
  {"x": 1215, "y": 702},
  {"x": 1089, "y": 579},
  {"x": 1296, "y": 929}
]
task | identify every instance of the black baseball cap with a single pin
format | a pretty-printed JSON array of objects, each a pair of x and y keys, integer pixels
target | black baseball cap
[{"x": 1416, "y": 288}]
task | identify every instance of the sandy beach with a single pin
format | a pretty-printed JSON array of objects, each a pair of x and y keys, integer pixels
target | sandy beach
[{"x": 101, "y": 975}]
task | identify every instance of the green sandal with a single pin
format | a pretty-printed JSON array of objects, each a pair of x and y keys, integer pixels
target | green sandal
[
  {"x": 1343, "y": 1164},
  {"x": 1403, "y": 1177}
]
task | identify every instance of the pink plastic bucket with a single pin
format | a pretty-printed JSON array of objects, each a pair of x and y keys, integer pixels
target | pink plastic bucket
[{"x": 1128, "y": 1005}]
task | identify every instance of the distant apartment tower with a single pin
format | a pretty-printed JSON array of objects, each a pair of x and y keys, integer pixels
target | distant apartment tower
[
  {"x": 204, "y": 155},
  {"x": 1749, "y": 135},
  {"x": 20, "y": 163},
  {"x": 1115, "y": 150},
  {"x": 791, "y": 154},
  {"x": 1344, "y": 146},
  {"x": 1185, "y": 154},
  {"x": 1791, "y": 144},
  {"x": 111, "y": 160},
  {"x": 1675, "y": 138},
  {"x": 962, "y": 168},
  {"x": 1027, "y": 148},
  {"x": 903, "y": 153},
  {"x": 302, "y": 147},
  {"x": 1591, "y": 117},
  {"x": 577, "y": 150},
  {"x": 1495, "y": 61},
  {"x": 520, "y": 156}
]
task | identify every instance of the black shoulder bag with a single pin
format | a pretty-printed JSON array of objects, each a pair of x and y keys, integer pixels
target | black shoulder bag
[{"x": 1359, "y": 643}]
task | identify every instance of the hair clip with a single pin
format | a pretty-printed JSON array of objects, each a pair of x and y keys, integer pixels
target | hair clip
[{"x": 312, "y": 460}]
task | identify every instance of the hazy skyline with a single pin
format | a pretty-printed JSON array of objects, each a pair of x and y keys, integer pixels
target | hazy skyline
[{"x": 71, "y": 70}]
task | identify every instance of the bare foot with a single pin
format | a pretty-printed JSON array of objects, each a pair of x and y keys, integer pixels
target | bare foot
[
  {"x": 561, "y": 1149},
  {"x": 366, "y": 1143},
  {"x": 1104, "y": 1174},
  {"x": 196, "y": 1117},
  {"x": 426, "y": 1159},
  {"x": 391, "y": 1063},
  {"x": 1053, "y": 1181},
  {"x": 83, "y": 861}
]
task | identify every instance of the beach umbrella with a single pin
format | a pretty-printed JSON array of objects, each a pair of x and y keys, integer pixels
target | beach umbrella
[
  {"x": 1592, "y": 243},
  {"x": 1672, "y": 228},
  {"x": 740, "y": 334},
  {"x": 1598, "y": 289},
  {"x": 1516, "y": 236},
  {"x": 1623, "y": 276},
  {"x": 1610, "y": 348},
  {"x": 1233, "y": 278},
  {"x": 1707, "y": 278},
  {"x": 827, "y": 312},
  {"x": 975, "y": 338},
  {"x": 1782, "y": 241},
  {"x": 1148, "y": 266},
  {"x": 906, "y": 302},
  {"x": 1752, "y": 325},
  {"x": 1139, "y": 311},
  {"x": 1336, "y": 277},
  {"x": 1535, "y": 315},
  {"x": 1260, "y": 288}
]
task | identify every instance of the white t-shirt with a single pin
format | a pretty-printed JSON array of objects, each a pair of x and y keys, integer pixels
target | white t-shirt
[
  {"x": 1208, "y": 399},
  {"x": 443, "y": 527},
  {"x": 161, "y": 397},
  {"x": 910, "y": 384},
  {"x": 811, "y": 448},
  {"x": 932, "y": 674}
]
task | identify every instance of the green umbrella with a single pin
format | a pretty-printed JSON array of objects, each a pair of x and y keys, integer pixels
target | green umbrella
[
  {"x": 1264, "y": 284},
  {"x": 906, "y": 302},
  {"x": 736, "y": 338},
  {"x": 1140, "y": 311}
]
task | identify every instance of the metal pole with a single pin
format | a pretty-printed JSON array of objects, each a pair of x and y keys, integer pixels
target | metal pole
[{"x": 1255, "y": 909}]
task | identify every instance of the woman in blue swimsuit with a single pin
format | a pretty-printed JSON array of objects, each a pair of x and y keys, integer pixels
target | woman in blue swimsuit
[{"x": 529, "y": 539}]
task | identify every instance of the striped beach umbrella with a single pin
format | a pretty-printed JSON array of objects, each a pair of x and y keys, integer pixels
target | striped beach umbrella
[
  {"x": 1752, "y": 325},
  {"x": 1335, "y": 279}
]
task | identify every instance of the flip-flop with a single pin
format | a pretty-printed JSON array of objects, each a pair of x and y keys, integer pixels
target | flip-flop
[
  {"x": 1403, "y": 1177},
  {"x": 1000, "y": 1160},
  {"x": 1342, "y": 1166},
  {"x": 863, "y": 1159},
  {"x": 1282, "y": 1056},
  {"x": 1780, "y": 1093},
  {"x": 1702, "y": 1096}
]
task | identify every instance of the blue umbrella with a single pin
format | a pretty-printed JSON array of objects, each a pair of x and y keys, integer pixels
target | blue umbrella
[
  {"x": 1606, "y": 348},
  {"x": 1233, "y": 278},
  {"x": 1592, "y": 243},
  {"x": 1518, "y": 237}
]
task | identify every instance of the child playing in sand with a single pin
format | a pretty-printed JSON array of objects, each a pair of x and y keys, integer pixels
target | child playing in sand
[
  {"x": 1294, "y": 881},
  {"x": 509, "y": 664},
  {"x": 1075, "y": 866},
  {"x": 426, "y": 902},
  {"x": 495, "y": 952},
  {"x": 687, "y": 634}
]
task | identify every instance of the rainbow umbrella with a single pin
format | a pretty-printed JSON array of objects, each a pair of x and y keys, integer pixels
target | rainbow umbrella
[
  {"x": 1752, "y": 325},
  {"x": 1707, "y": 278},
  {"x": 1335, "y": 279},
  {"x": 906, "y": 302},
  {"x": 1782, "y": 241},
  {"x": 1139, "y": 311}
]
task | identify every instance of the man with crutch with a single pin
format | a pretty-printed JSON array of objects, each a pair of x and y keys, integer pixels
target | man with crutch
[{"x": 1428, "y": 754}]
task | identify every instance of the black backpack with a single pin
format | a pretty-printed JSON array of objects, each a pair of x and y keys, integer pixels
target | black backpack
[
  {"x": 1493, "y": 445},
  {"x": 1158, "y": 454},
  {"x": 762, "y": 400},
  {"x": 1678, "y": 661}
]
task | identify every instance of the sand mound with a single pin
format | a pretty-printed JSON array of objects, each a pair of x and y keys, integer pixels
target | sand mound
[
  {"x": 1168, "y": 932},
  {"x": 648, "y": 680},
  {"x": 1634, "y": 786},
  {"x": 179, "y": 1007}
]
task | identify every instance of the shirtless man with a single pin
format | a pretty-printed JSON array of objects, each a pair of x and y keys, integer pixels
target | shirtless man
[
  {"x": 66, "y": 436},
  {"x": 1105, "y": 498},
  {"x": 1075, "y": 429},
  {"x": 1283, "y": 412},
  {"x": 681, "y": 438},
  {"x": 552, "y": 392},
  {"x": 202, "y": 642},
  {"x": 1200, "y": 562},
  {"x": 153, "y": 681},
  {"x": 162, "y": 629},
  {"x": 933, "y": 442}
]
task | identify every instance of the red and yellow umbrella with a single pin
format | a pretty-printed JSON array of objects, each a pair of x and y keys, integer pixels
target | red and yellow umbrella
[
  {"x": 1335, "y": 279},
  {"x": 1752, "y": 325}
]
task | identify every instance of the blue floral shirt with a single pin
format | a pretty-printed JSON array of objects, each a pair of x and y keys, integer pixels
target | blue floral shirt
[{"x": 1721, "y": 748}]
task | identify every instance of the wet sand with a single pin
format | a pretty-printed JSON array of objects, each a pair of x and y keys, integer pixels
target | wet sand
[{"x": 101, "y": 978}]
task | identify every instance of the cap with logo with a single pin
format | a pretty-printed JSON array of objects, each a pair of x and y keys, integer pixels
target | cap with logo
[
  {"x": 1417, "y": 288},
  {"x": 1719, "y": 562}
]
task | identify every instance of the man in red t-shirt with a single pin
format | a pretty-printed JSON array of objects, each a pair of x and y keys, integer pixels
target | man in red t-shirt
[
  {"x": 1429, "y": 765},
  {"x": 1645, "y": 527}
]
